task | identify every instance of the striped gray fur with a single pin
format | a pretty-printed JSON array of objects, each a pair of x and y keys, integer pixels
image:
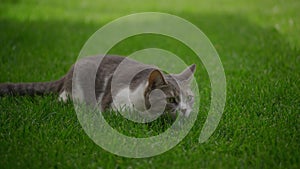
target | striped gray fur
[{"x": 31, "y": 89}]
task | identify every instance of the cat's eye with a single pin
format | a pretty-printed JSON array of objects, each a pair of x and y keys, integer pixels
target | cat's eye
[
  {"x": 171, "y": 100},
  {"x": 189, "y": 97}
]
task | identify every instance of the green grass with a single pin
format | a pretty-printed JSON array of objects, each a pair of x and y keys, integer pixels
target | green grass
[{"x": 258, "y": 43}]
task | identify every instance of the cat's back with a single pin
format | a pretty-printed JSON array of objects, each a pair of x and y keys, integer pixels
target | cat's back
[
  {"x": 108, "y": 62},
  {"x": 105, "y": 66}
]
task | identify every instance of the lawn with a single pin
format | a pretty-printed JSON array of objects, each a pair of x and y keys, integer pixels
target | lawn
[{"x": 258, "y": 43}]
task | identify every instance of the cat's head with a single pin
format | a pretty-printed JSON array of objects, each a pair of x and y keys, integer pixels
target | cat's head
[{"x": 179, "y": 98}]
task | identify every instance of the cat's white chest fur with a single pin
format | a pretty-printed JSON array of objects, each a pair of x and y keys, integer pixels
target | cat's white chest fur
[{"x": 130, "y": 99}]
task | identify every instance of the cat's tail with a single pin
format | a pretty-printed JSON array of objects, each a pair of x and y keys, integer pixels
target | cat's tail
[{"x": 31, "y": 89}]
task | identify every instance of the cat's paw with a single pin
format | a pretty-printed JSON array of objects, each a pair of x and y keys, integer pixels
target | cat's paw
[{"x": 63, "y": 97}]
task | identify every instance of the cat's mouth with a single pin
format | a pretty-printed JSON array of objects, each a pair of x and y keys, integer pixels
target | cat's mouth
[{"x": 174, "y": 112}]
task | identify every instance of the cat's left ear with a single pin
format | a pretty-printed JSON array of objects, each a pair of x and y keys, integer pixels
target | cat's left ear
[
  {"x": 187, "y": 74},
  {"x": 155, "y": 79}
]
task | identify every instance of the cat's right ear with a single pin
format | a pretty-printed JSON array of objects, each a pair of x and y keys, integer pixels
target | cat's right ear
[
  {"x": 155, "y": 79},
  {"x": 187, "y": 74}
]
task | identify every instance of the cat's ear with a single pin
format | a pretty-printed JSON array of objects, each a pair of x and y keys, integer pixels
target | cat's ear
[
  {"x": 187, "y": 74},
  {"x": 155, "y": 79}
]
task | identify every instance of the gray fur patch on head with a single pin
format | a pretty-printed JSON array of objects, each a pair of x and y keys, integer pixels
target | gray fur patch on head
[{"x": 178, "y": 95}]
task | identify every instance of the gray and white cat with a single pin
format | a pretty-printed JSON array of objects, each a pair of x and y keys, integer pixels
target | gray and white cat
[{"x": 119, "y": 82}]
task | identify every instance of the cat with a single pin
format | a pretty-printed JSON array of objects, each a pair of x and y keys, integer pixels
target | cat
[{"x": 115, "y": 71}]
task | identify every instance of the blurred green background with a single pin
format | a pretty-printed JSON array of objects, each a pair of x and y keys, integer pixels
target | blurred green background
[{"x": 258, "y": 43}]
